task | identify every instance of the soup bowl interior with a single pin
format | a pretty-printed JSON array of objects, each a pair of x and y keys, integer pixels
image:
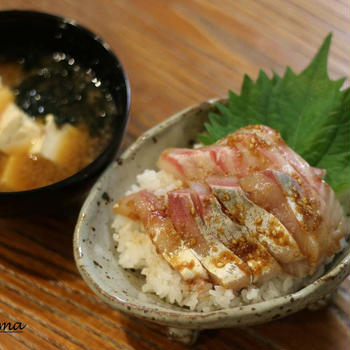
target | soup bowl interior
[
  {"x": 33, "y": 34},
  {"x": 97, "y": 260}
]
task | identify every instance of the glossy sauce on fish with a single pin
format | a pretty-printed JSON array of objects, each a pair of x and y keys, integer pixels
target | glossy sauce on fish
[{"x": 250, "y": 208}]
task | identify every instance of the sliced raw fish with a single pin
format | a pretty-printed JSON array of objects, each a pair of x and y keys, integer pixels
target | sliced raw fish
[
  {"x": 265, "y": 207},
  {"x": 234, "y": 236},
  {"x": 265, "y": 191},
  {"x": 152, "y": 212},
  {"x": 196, "y": 164},
  {"x": 224, "y": 267},
  {"x": 308, "y": 214},
  {"x": 259, "y": 147},
  {"x": 282, "y": 158},
  {"x": 261, "y": 224}
]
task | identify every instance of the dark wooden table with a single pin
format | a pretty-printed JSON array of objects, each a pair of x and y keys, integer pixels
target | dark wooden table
[{"x": 176, "y": 53}]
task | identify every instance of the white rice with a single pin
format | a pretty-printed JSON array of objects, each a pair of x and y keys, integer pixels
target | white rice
[{"x": 136, "y": 251}]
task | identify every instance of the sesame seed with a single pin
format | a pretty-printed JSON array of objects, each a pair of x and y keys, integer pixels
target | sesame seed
[
  {"x": 192, "y": 242},
  {"x": 258, "y": 221}
]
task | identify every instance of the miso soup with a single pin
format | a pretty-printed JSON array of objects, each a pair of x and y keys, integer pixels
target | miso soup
[{"x": 55, "y": 119}]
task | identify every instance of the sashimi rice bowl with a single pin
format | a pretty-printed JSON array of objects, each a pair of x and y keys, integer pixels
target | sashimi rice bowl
[
  {"x": 187, "y": 227},
  {"x": 242, "y": 221}
]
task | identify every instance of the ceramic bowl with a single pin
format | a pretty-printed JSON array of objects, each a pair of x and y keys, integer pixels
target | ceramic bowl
[
  {"x": 95, "y": 251},
  {"x": 30, "y": 33}
]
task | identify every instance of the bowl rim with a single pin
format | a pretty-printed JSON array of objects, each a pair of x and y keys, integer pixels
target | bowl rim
[
  {"x": 196, "y": 319},
  {"x": 94, "y": 167}
]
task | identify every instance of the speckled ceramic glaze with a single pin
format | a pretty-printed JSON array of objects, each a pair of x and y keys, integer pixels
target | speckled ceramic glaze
[{"x": 95, "y": 251}]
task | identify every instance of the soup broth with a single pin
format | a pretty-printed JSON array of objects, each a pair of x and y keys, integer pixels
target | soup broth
[{"x": 55, "y": 119}]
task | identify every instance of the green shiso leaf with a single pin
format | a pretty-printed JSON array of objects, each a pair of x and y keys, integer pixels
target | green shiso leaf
[
  {"x": 336, "y": 158},
  {"x": 308, "y": 109}
]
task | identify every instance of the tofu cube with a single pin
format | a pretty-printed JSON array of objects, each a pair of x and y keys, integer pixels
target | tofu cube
[
  {"x": 17, "y": 130},
  {"x": 64, "y": 146},
  {"x": 21, "y": 172}
]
